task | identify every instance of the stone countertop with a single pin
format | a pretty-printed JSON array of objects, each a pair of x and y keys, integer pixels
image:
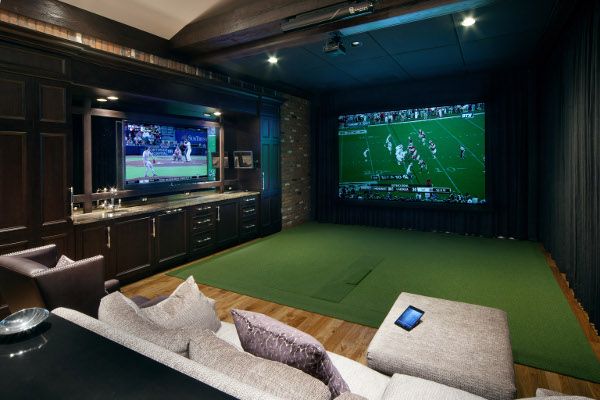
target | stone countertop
[{"x": 102, "y": 215}]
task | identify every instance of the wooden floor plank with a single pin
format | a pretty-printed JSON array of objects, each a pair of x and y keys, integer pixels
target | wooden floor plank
[{"x": 351, "y": 340}]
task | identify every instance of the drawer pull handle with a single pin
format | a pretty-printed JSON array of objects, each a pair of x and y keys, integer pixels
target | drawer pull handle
[
  {"x": 204, "y": 240},
  {"x": 249, "y": 226}
]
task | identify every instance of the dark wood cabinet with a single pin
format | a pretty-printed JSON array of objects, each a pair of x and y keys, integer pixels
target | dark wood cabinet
[
  {"x": 171, "y": 237},
  {"x": 132, "y": 246},
  {"x": 93, "y": 240},
  {"x": 227, "y": 223},
  {"x": 270, "y": 164},
  {"x": 248, "y": 217},
  {"x": 202, "y": 229},
  {"x": 34, "y": 163}
]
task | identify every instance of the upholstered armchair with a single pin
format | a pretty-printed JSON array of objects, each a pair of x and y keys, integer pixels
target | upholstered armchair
[{"x": 30, "y": 278}]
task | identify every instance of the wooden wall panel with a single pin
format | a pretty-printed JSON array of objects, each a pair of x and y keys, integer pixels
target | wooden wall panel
[
  {"x": 13, "y": 181},
  {"x": 54, "y": 178},
  {"x": 53, "y": 104},
  {"x": 11, "y": 247},
  {"x": 22, "y": 60},
  {"x": 12, "y": 99},
  {"x": 62, "y": 242}
]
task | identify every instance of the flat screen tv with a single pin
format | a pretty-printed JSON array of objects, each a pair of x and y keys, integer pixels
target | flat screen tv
[
  {"x": 156, "y": 153},
  {"x": 428, "y": 154}
]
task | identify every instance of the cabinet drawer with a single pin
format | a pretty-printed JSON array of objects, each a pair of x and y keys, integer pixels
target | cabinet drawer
[
  {"x": 202, "y": 222},
  {"x": 249, "y": 228},
  {"x": 202, "y": 239},
  {"x": 202, "y": 210},
  {"x": 248, "y": 211},
  {"x": 248, "y": 201}
]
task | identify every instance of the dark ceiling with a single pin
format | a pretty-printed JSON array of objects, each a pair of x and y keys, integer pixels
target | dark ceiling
[{"x": 507, "y": 33}]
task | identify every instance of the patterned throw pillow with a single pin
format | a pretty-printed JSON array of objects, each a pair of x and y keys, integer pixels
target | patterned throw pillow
[
  {"x": 268, "y": 338},
  {"x": 186, "y": 307},
  {"x": 63, "y": 261}
]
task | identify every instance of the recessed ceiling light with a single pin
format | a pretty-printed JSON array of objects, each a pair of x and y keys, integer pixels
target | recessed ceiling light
[
  {"x": 272, "y": 60},
  {"x": 207, "y": 115},
  {"x": 356, "y": 43},
  {"x": 468, "y": 21},
  {"x": 217, "y": 113},
  {"x": 101, "y": 100},
  {"x": 113, "y": 98}
]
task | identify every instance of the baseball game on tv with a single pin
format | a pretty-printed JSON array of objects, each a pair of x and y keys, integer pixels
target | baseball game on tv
[
  {"x": 156, "y": 153},
  {"x": 429, "y": 154}
]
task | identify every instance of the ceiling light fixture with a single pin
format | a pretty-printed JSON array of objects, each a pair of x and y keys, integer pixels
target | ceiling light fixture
[
  {"x": 207, "y": 115},
  {"x": 101, "y": 100},
  {"x": 356, "y": 43},
  {"x": 272, "y": 60},
  {"x": 113, "y": 98},
  {"x": 217, "y": 113},
  {"x": 468, "y": 21}
]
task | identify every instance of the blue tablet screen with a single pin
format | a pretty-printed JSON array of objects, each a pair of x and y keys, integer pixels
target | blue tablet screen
[{"x": 409, "y": 318}]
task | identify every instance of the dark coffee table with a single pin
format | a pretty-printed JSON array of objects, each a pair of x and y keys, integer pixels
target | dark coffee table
[{"x": 61, "y": 360}]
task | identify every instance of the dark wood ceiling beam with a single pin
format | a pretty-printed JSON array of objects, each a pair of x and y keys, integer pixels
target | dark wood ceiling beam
[
  {"x": 385, "y": 9},
  {"x": 82, "y": 21},
  {"x": 255, "y": 20}
]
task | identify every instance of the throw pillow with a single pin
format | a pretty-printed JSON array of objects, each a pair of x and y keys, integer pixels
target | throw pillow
[
  {"x": 277, "y": 379},
  {"x": 63, "y": 261},
  {"x": 118, "y": 311},
  {"x": 268, "y": 338},
  {"x": 185, "y": 307}
]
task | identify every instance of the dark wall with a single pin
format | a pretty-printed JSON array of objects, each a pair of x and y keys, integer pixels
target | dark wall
[
  {"x": 511, "y": 156},
  {"x": 570, "y": 148}
]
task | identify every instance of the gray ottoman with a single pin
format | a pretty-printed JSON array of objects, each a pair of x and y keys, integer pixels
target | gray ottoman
[{"x": 457, "y": 344}]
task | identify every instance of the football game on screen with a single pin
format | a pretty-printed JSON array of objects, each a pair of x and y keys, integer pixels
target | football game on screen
[{"x": 433, "y": 154}]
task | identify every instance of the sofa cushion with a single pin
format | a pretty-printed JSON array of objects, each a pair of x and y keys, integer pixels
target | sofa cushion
[
  {"x": 120, "y": 312},
  {"x": 268, "y": 338},
  {"x": 361, "y": 379},
  {"x": 186, "y": 307},
  {"x": 266, "y": 375},
  {"x": 404, "y": 387}
]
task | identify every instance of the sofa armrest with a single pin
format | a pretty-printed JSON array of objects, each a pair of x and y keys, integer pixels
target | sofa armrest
[
  {"x": 17, "y": 283},
  {"x": 45, "y": 255},
  {"x": 79, "y": 285}
]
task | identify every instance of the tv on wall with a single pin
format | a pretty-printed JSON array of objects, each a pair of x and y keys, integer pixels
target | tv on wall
[
  {"x": 155, "y": 153},
  {"x": 428, "y": 154}
]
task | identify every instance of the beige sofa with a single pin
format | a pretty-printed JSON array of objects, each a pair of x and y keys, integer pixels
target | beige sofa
[{"x": 363, "y": 381}]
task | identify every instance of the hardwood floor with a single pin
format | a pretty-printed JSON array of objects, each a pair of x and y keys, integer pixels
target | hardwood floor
[{"x": 351, "y": 340}]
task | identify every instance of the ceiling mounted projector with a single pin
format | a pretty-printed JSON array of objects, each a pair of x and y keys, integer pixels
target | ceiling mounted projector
[
  {"x": 326, "y": 15},
  {"x": 334, "y": 46}
]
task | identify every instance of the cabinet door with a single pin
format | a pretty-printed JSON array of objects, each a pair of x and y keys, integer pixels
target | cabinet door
[
  {"x": 227, "y": 224},
  {"x": 132, "y": 244},
  {"x": 94, "y": 240},
  {"x": 171, "y": 237},
  {"x": 17, "y": 156}
]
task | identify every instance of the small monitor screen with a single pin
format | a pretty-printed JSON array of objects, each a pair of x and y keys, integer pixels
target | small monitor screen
[{"x": 409, "y": 318}]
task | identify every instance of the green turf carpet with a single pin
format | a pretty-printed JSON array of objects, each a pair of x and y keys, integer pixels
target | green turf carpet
[{"x": 365, "y": 269}]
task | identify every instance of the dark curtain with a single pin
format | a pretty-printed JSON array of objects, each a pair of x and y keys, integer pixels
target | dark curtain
[
  {"x": 511, "y": 155},
  {"x": 570, "y": 155}
]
